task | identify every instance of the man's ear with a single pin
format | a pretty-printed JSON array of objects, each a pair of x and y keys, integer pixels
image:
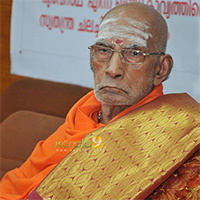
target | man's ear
[{"x": 163, "y": 69}]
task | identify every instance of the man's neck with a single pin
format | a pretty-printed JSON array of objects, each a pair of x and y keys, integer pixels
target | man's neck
[{"x": 110, "y": 111}]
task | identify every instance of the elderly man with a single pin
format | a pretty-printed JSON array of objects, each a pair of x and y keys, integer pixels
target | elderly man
[{"x": 140, "y": 136}]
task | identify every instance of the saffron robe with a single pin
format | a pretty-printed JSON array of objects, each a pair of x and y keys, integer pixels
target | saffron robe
[{"x": 81, "y": 120}]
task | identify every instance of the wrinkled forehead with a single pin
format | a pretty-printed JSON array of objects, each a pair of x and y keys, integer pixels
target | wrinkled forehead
[{"x": 120, "y": 28}]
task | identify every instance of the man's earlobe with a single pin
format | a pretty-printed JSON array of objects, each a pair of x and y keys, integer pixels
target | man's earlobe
[{"x": 163, "y": 69}]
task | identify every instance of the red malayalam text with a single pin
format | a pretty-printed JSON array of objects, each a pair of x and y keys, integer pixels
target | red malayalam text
[
  {"x": 88, "y": 25},
  {"x": 99, "y": 4},
  {"x": 76, "y": 3},
  {"x": 169, "y": 8},
  {"x": 61, "y": 23}
]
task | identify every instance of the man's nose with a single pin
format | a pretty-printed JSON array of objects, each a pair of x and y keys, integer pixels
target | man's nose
[{"x": 115, "y": 66}]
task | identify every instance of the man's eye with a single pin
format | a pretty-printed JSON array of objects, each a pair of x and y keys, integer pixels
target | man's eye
[
  {"x": 103, "y": 50},
  {"x": 135, "y": 53}
]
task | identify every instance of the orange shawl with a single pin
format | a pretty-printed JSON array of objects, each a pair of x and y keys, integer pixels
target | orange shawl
[{"x": 18, "y": 183}]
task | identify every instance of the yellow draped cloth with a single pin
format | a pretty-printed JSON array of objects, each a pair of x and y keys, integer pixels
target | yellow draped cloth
[{"x": 138, "y": 152}]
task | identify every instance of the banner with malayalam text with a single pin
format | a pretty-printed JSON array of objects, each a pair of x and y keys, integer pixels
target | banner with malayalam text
[{"x": 50, "y": 39}]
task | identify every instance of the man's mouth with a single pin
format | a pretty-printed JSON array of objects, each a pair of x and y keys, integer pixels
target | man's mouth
[{"x": 113, "y": 89}]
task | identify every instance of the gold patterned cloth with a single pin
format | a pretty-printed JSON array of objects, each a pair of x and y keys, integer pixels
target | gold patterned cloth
[{"x": 140, "y": 151}]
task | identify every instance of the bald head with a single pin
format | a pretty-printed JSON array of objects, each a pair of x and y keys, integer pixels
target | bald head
[{"x": 142, "y": 23}]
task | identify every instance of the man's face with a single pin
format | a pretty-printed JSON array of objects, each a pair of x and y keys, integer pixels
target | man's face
[{"x": 118, "y": 83}]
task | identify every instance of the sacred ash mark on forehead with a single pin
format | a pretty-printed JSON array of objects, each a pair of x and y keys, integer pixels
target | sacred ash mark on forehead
[{"x": 132, "y": 30}]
